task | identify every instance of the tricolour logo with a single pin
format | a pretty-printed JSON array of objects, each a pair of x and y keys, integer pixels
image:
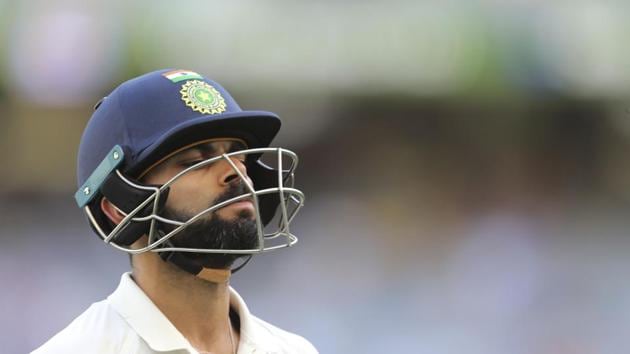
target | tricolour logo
[
  {"x": 202, "y": 97},
  {"x": 180, "y": 75}
]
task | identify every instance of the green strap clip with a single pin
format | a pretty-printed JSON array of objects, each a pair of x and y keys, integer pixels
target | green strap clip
[{"x": 90, "y": 188}]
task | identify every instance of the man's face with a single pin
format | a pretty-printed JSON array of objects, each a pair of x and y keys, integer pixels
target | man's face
[
  {"x": 195, "y": 190},
  {"x": 230, "y": 227}
]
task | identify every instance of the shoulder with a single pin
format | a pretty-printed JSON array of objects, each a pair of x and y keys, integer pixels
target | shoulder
[
  {"x": 97, "y": 330},
  {"x": 288, "y": 342},
  {"x": 260, "y": 336}
]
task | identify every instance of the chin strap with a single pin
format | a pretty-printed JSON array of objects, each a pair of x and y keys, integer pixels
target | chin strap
[
  {"x": 249, "y": 258},
  {"x": 215, "y": 275},
  {"x": 192, "y": 267},
  {"x": 209, "y": 274}
]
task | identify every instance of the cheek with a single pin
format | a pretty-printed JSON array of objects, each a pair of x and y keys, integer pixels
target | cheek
[{"x": 191, "y": 197}]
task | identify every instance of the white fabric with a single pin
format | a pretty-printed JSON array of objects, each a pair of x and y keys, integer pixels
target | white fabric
[{"x": 128, "y": 322}]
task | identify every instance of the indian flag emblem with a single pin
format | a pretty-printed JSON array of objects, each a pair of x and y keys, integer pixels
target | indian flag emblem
[
  {"x": 202, "y": 97},
  {"x": 181, "y": 75}
]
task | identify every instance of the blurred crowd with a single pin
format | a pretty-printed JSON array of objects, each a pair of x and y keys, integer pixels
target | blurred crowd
[{"x": 465, "y": 164}]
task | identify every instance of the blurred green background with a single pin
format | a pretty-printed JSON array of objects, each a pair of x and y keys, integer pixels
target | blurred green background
[{"x": 465, "y": 164}]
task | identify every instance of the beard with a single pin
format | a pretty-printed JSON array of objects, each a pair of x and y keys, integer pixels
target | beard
[{"x": 215, "y": 233}]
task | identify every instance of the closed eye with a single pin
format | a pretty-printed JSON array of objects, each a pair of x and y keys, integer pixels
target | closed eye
[{"x": 186, "y": 164}]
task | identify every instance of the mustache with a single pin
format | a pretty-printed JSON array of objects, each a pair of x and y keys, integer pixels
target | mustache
[{"x": 234, "y": 190}]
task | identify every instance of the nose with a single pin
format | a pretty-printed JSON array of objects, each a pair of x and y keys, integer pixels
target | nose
[{"x": 230, "y": 175}]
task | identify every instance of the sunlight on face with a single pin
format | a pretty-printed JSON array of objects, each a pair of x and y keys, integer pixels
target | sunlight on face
[{"x": 200, "y": 188}]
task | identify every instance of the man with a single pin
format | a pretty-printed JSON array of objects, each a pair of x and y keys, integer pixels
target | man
[{"x": 170, "y": 170}]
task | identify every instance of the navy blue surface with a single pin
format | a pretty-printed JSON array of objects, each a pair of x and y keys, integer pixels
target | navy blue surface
[{"x": 147, "y": 117}]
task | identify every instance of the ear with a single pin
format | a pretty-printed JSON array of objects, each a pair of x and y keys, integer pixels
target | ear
[{"x": 114, "y": 214}]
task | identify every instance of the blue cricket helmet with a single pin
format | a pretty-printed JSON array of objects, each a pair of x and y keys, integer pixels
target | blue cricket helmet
[
  {"x": 144, "y": 120},
  {"x": 154, "y": 114}
]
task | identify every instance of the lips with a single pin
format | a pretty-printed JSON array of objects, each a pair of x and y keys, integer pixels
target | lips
[
  {"x": 247, "y": 203},
  {"x": 234, "y": 191},
  {"x": 242, "y": 203}
]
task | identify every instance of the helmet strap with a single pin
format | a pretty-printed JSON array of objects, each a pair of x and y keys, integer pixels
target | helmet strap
[{"x": 209, "y": 274}]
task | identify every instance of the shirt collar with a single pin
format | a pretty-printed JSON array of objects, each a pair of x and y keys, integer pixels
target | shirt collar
[
  {"x": 135, "y": 307},
  {"x": 146, "y": 319},
  {"x": 252, "y": 338}
]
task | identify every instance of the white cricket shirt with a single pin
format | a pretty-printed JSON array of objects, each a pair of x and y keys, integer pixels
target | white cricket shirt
[{"x": 129, "y": 322}]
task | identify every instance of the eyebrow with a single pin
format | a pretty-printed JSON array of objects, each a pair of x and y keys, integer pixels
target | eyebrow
[
  {"x": 208, "y": 149},
  {"x": 235, "y": 142},
  {"x": 204, "y": 149}
]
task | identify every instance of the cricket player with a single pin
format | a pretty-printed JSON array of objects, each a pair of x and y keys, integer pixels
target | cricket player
[{"x": 173, "y": 172}]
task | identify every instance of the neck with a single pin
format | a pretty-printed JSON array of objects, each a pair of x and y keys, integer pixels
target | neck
[{"x": 198, "y": 308}]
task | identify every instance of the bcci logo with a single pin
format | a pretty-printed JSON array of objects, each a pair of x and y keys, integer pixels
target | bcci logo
[{"x": 202, "y": 97}]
